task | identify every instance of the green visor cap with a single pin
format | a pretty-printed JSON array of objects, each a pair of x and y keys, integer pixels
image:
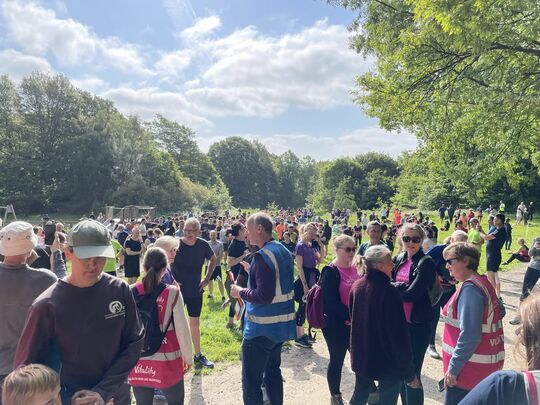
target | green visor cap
[{"x": 90, "y": 238}]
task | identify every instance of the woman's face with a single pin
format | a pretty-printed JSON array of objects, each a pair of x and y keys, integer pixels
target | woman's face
[
  {"x": 346, "y": 252},
  {"x": 135, "y": 233},
  {"x": 412, "y": 241},
  {"x": 386, "y": 266},
  {"x": 457, "y": 267}
]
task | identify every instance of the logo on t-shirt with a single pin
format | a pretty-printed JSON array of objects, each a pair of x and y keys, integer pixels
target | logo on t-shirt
[{"x": 116, "y": 309}]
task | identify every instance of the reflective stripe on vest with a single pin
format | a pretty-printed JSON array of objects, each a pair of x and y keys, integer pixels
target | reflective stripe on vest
[
  {"x": 165, "y": 356},
  {"x": 279, "y": 297},
  {"x": 486, "y": 328},
  {"x": 532, "y": 386},
  {"x": 264, "y": 320},
  {"x": 478, "y": 358}
]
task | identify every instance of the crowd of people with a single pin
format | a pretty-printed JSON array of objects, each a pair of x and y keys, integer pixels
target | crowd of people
[{"x": 98, "y": 332}]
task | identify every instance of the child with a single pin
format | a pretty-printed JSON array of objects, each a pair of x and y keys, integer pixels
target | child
[{"x": 34, "y": 384}]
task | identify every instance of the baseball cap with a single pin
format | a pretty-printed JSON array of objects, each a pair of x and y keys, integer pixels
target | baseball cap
[
  {"x": 17, "y": 238},
  {"x": 89, "y": 238}
]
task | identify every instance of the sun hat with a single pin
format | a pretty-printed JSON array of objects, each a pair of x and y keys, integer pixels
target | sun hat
[
  {"x": 89, "y": 238},
  {"x": 17, "y": 238}
]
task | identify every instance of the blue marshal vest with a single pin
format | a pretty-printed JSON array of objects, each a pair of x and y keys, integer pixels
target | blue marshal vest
[{"x": 276, "y": 320}]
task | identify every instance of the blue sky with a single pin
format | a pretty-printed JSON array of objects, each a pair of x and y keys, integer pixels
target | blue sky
[{"x": 277, "y": 71}]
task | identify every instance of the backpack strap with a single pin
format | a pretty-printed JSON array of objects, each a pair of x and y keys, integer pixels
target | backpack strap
[
  {"x": 172, "y": 307},
  {"x": 532, "y": 382}
]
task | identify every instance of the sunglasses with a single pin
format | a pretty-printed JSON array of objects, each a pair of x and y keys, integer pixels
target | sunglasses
[
  {"x": 451, "y": 261},
  {"x": 414, "y": 239},
  {"x": 348, "y": 249}
]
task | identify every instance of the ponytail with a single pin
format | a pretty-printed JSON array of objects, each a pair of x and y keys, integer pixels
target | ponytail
[{"x": 155, "y": 262}]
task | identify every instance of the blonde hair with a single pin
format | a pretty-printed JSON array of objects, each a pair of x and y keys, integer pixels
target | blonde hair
[
  {"x": 413, "y": 227},
  {"x": 24, "y": 383},
  {"x": 342, "y": 240},
  {"x": 528, "y": 332},
  {"x": 193, "y": 222}
]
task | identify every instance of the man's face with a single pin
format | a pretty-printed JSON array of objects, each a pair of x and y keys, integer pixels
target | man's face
[
  {"x": 253, "y": 233},
  {"x": 374, "y": 231},
  {"x": 191, "y": 233},
  {"x": 86, "y": 269}
]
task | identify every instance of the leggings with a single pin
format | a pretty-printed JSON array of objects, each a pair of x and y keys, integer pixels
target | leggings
[
  {"x": 420, "y": 333},
  {"x": 174, "y": 394},
  {"x": 529, "y": 281},
  {"x": 337, "y": 339},
  {"x": 516, "y": 256},
  {"x": 447, "y": 294}
]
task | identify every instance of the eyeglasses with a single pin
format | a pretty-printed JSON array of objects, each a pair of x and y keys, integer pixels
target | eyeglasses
[
  {"x": 348, "y": 249},
  {"x": 451, "y": 261},
  {"x": 414, "y": 239}
]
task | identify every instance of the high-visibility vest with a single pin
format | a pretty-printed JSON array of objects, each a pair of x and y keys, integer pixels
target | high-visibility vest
[
  {"x": 532, "y": 386},
  {"x": 277, "y": 319},
  {"x": 488, "y": 356}
]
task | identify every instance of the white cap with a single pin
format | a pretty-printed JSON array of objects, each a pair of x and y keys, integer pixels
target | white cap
[{"x": 17, "y": 238}]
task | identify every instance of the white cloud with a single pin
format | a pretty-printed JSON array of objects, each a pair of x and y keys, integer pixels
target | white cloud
[
  {"x": 201, "y": 28},
  {"x": 149, "y": 101},
  {"x": 17, "y": 65},
  {"x": 39, "y": 31},
  {"x": 360, "y": 141},
  {"x": 171, "y": 65},
  {"x": 250, "y": 74},
  {"x": 179, "y": 10},
  {"x": 90, "y": 84}
]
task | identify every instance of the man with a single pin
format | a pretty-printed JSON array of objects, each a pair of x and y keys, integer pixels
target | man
[
  {"x": 442, "y": 212},
  {"x": 502, "y": 207},
  {"x": 495, "y": 240},
  {"x": 187, "y": 270},
  {"x": 270, "y": 313},
  {"x": 374, "y": 232},
  {"x": 87, "y": 325},
  {"x": 19, "y": 287}
]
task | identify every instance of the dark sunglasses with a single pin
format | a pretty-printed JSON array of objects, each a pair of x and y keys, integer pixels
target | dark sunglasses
[
  {"x": 451, "y": 261},
  {"x": 414, "y": 239},
  {"x": 348, "y": 249}
]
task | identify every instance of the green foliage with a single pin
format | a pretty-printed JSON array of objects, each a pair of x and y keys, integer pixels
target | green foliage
[{"x": 463, "y": 77}]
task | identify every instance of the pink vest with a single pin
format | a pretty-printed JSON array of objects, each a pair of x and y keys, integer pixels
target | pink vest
[
  {"x": 532, "y": 386},
  {"x": 488, "y": 357},
  {"x": 164, "y": 368}
]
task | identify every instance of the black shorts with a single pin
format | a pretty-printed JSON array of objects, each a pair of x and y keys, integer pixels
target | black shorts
[
  {"x": 493, "y": 262},
  {"x": 217, "y": 273},
  {"x": 194, "y": 306}
]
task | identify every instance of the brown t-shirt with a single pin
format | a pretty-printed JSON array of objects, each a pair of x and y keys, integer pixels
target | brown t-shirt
[{"x": 96, "y": 332}]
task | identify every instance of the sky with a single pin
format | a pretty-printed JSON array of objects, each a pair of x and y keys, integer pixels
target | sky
[{"x": 279, "y": 71}]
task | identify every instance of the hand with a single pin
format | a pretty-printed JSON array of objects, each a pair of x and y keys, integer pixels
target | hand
[
  {"x": 415, "y": 383},
  {"x": 187, "y": 367},
  {"x": 55, "y": 247},
  {"x": 450, "y": 380},
  {"x": 306, "y": 290},
  {"x": 204, "y": 282},
  {"x": 87, "y": 397},
  {"x": 235, "y": 291},
  {"x": 245, "y": 265}
]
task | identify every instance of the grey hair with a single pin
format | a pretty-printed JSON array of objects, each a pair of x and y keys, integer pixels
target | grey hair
[
  {"x": 192, "y": 222},
  {"x": 167, "y": 242},
  {"x": 458, "y": 236},
  {"x": 376, "y": 254},
  {"x": 264, "y": 220},
  {"x": 414, "y": 227}
]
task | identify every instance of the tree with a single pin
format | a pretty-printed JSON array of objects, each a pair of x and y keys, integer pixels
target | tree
[{"x": 461, "y": 75}]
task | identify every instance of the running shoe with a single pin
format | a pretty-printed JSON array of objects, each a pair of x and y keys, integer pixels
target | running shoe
[
  {"x": 432, "y": 351},
  {"x": 312, "y": 337},
  {"x": 516, "y": 320},
  {"x": 200, "y": 361},
  {"x": 336, "y": 400},
  {"x": 303, "y": 342}
]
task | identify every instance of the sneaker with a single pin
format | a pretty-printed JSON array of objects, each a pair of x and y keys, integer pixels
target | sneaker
[
  {"x": 159, "y": 396},
  {"x": 200, "y": 360},
  {"x": 312, "y": 337},
  {"x": 229, "y": 325},
  {"x": 303, "y": 342},
  {"x": 501, "y": 299},
  {"x": 432, "y": 351},
  {"x": 516, "y": 320}
]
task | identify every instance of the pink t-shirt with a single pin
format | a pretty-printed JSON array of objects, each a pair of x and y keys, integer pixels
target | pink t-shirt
[
  {"x": 402, "y": 276},
  {"x": 347, "y": 275}
]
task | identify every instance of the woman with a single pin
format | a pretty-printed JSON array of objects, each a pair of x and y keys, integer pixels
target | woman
[
  {"x": 174, "y": 357},
  {"x": 336, "y": 282},
  {"x": 170, "y": 245},
  {"x": 531, "y": 275},
  {"x": 514, "y": 387},
  {"x": 306, "y": 257},
  {"x": 133, "y": 248},
  {"x": 473, "y": 339},
  {"x": 522, "y": 254},
  {"x": 380, "y": 341},
  {"x": 414, "y": 274}
]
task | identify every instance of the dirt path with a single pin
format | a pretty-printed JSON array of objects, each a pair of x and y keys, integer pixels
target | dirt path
[{"x": 304, "y": 370}]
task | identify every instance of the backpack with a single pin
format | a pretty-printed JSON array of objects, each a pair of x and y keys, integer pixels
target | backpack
[
  {"x": 149, "y": 313},
  {"x": 315, "y": 306}
]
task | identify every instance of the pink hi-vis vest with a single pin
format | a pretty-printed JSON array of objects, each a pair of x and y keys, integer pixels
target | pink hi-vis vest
[
  {"x": 532, "y": 386},
  {"x": 164, "y": 368},
  {"x": 489, "y": 354}
]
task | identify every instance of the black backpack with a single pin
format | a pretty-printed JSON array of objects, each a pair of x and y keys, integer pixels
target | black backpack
[{"x": 149, "y": 313}]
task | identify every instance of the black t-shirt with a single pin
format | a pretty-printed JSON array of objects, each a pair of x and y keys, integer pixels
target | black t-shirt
[
  {"x": 44, "y": 258},
  {"x": 495, "y": 246},
  {"x": 291, "y": 246},
  {"x": 236, "y": 249},
  {"x": 188, "y": 264},
  {"x": 121, "y": 237}
]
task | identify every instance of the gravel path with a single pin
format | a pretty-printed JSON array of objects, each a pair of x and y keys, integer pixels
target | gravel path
[{"x": 304, "y": 370}]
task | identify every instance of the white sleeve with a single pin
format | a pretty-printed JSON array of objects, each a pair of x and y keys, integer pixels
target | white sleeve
[{"x": 181, "y": 328}]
